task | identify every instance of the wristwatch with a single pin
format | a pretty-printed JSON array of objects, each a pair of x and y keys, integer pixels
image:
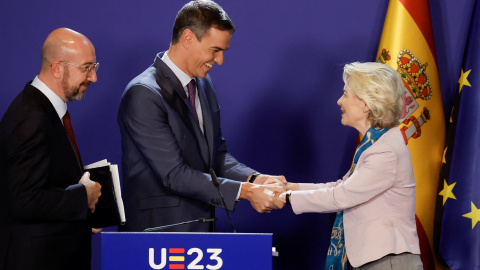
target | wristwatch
[
  {"x": 252, "y": 178},
  {"x": 287, "y": 197}
]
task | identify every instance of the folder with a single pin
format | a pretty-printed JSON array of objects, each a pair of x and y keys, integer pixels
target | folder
[{"x": 109, "y": 210}]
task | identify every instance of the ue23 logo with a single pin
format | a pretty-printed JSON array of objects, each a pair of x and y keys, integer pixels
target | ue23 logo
[{"x": 176, "y": 258}]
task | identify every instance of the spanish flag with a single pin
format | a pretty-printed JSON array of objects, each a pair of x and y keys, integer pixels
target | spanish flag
[{"x": 407, "y": 45}]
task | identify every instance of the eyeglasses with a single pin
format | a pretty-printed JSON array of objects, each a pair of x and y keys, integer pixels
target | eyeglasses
[{"x": 87, "y": 69}]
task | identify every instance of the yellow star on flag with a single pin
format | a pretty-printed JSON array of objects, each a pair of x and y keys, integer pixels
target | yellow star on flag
[
  {"x": 447, "y": 191},
  {"x": 474, "y": 215},
  {"x": 463, "y": 79},
  {"x": 444, "y": 152}
]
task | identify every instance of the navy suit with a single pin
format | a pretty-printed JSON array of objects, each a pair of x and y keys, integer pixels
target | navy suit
[
  {"x": 166, "y": 157},
  {"x": 43, "y": 209}
]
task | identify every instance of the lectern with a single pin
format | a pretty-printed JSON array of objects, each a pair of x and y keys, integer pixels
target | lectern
[{"x": 160, "y": 250}]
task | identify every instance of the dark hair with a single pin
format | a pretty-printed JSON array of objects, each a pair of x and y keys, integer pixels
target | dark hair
[{"x": 199, "y": 16}]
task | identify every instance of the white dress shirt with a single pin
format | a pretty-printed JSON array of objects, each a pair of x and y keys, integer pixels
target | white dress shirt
[{"x": 57, "y": 102}]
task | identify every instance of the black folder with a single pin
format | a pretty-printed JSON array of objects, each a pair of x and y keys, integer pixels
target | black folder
[{"x": 108, "y": 209}]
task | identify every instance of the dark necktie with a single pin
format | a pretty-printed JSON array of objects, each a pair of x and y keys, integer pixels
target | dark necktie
[
  {"x": 67, "y": 124},
  {"x": 191, "y": 96}
]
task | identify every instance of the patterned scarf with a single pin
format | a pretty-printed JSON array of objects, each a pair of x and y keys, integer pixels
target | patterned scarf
[{"x": 337, "y": 255}]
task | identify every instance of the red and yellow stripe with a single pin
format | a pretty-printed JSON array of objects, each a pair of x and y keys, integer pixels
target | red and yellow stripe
[{"x": 408, "y": 26}]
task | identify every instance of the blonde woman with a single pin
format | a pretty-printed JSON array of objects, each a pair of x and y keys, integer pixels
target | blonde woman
[{"x": 375, "y": 200}]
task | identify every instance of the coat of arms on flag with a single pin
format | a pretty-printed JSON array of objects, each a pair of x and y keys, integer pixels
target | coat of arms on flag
[{"x": 417, "y": 83}]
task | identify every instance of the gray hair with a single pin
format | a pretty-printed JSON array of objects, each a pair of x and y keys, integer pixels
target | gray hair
[{"x": 380, "y": 87}]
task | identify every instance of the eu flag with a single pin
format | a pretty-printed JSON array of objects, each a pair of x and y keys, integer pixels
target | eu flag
[{"x": 460, "y": 186}]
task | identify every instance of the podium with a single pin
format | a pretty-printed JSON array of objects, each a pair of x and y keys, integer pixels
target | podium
[{"x": 161, "y": 250}]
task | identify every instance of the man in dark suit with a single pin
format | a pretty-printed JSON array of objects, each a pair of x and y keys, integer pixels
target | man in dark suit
[
  {"x": 169, "y": 121},
  {"x": 45, "y": 198}
]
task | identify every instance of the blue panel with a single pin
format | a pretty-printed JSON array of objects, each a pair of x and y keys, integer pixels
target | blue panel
[{"x": 186, "y": 251}]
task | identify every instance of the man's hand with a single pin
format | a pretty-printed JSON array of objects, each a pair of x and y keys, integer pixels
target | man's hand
[
  {"x": 93, "y": 190},
  {"x": 96, "y": 230},
  {"x": 262, "y": 199}
]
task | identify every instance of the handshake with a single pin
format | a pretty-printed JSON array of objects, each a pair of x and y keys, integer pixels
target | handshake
[{"x": 266, "y": 193}]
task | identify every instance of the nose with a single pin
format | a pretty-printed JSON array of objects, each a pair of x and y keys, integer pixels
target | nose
[
  {"x": 92, "y": 76},
  {"x": 339, "y": 101},
  {"x": 219, "y": 58}
]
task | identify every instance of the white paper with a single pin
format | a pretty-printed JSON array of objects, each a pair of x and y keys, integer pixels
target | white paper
[{"x": 118, "y": 192}]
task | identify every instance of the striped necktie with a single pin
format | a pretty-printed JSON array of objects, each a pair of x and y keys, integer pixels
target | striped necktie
[{"x": 191, "y": 96}]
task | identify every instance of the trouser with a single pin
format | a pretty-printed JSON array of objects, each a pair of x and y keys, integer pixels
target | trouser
[{"x": 403, "y": 261}]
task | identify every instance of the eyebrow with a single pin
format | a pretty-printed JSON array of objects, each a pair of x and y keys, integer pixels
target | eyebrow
[
  {"x": 218, "y": 48},
  {"x": 87, "y": 63}
]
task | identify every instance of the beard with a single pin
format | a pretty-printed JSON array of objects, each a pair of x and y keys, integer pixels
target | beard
[{"x": 71, "y": 93}]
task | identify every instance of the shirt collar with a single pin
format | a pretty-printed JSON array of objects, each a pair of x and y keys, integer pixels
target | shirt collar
[
  {"x": 182, "y": 76},
  {"x": 57, "y": 102}
]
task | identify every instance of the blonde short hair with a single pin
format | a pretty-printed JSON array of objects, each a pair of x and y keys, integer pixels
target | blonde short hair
[{"x": 380, "y": 87}]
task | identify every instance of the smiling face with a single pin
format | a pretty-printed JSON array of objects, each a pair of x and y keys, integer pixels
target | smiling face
[
  {"x": 76, "y": 79},
  {"x": 354, "y": 111},
  {"x": 75, "y": 82},
  {"x": 68, "y": 64},
  {"x": 207, "y": 52}
]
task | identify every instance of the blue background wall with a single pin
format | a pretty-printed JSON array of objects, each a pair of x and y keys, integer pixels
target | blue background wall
[{"x": 277, "y": 89}]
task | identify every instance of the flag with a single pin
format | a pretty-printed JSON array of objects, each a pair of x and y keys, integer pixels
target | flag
[
  {"x": 407, "y": 45},
  {"x": 460, "y": 183}
]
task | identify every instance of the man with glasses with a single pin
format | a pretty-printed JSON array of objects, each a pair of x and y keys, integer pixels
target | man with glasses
[{"x": 45, "y": 198}]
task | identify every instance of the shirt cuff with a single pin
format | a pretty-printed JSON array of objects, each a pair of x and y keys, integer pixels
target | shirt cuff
[{"x": 239, "y": 190}]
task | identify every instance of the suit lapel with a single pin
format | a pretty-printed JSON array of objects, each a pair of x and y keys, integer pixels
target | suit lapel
[
  {"x": 207, "y": 118},
  {"x": 174, "y": 94},
  {"x": 51, "y": 113}
]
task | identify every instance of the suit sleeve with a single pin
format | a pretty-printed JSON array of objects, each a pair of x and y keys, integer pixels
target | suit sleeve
[
  {"x": 230, "y": 167},
  {"x": 375, "y": 175},
  {"x": 31, "y": 194},
  {"x": 147, "y": 121},
  {"x": 310, "y": 186}
]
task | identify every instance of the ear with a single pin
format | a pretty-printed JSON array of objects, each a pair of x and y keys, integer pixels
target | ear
[
  {"x": 187, "y": 38},
  {"x": 366, "y": 109},
  {"x": 56, "y": 69}
]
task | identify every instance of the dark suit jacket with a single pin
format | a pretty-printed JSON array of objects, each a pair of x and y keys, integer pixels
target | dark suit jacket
[
  {"x": 43, "y": 209},
  {"x": 166, "y": 158}
]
